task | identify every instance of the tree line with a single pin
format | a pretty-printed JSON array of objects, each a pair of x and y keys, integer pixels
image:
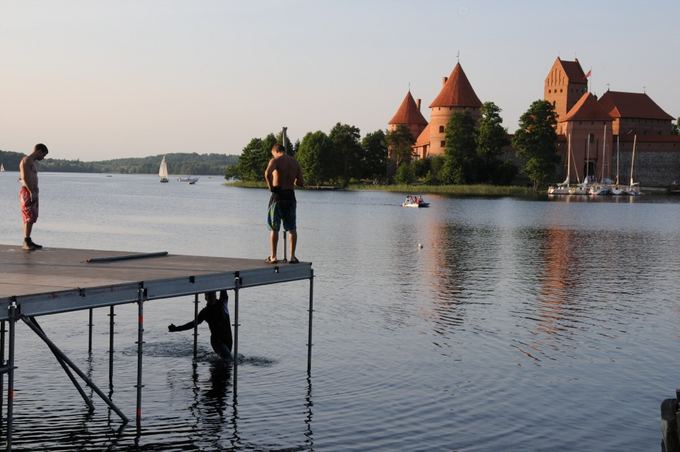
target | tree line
[
  {"x": 178, "y": 163},
  {"x": 477, "y": 150},
  {"x": 335, "y": 158}
]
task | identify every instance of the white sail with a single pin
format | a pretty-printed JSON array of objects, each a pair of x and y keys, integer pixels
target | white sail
[
  {"x": 2, "y": 168},
  {"x": 163, "y": 171}
]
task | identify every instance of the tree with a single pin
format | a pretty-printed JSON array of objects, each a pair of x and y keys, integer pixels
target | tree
[
  {"x": 491, "y": 137},
  {"x": 315, "y": 157},
  {"x": 374, "y": 147},
  {"x": 535, "y": 141},
  {"x": 347, "y": 152},
  {"x": 400, "y": 145},
  {"x": 461, "y": 165},
  {"x": 676, "y": 127},
  {"x": 254, "y": 158},
  {"x": 405, "y": 174}
]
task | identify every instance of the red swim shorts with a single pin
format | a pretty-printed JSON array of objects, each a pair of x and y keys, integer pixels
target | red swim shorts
[{"x": 29, "y": 208}]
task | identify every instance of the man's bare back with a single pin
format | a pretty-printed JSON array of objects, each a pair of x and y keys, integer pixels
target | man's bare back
[{"x": 284, "y": 172}]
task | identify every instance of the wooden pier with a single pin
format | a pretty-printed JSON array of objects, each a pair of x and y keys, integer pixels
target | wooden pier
[{"x": 58, "y": 280}]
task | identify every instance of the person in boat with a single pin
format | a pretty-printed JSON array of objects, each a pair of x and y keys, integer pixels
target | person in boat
[
  {"x": 216, "y": 314},
  {"x": 28, "y": 193},
  {"x": 282, "y": 175}
]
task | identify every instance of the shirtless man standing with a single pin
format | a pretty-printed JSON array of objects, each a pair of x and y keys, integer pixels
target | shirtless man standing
[
  {"x": 28, "y": 193},
  {"x": 282, "y": 175}
]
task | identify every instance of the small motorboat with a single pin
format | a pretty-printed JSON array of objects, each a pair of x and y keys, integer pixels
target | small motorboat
[
  {"x": 415, "y": 201},
  {"x": 189, "y": 179}
]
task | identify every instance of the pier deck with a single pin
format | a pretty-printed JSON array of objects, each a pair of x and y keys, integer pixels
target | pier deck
[{"x": 58, "y": 280}]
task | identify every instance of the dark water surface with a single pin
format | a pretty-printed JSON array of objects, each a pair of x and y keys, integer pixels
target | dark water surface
[{"x": 519, "y": 325}]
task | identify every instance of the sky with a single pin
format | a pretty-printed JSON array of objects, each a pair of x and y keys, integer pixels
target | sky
[{"x": 126, "y": 78}]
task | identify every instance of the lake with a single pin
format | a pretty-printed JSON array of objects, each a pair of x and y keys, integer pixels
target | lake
[{"x": 519, "y": 325}]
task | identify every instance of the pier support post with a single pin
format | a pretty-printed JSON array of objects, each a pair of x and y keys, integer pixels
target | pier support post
[
  {"x": 89, "y": 333},
  {"x": 41, "y": 334},
  {"x": 140, "y": 351},
  {"x": 309, "y": 334},
  {"x": 10, "y": 373},
  {"x": 237, "y": 287},
  {"x": 111, "y": 323},
  {"x": 195, "y": 327}
]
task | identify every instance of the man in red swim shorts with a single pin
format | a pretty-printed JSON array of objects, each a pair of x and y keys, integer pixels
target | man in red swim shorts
[{"x": 28, "y": 193}]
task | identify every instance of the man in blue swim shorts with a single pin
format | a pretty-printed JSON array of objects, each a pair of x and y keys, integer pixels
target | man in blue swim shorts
[{"x": 283, "y": 174}]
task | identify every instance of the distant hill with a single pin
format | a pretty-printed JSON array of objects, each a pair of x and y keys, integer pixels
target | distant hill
[{"x": 178, "y": 164}]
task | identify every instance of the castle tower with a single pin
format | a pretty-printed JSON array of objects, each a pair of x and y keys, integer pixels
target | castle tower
[
  {"x": 590, "y": 127},
  {"x": 456, "y": 95},
  {"x": 408, "y": 115},
  {"x": 564, "y": 86}
]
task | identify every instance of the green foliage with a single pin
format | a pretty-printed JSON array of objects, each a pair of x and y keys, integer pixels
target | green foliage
[
  {"x": 405, "y": 174},
  {"x": 676, "y": 127},
  {"x": 400, "y": 143},
  {"x": 315, "y": 155},
  {"x": 491, "y": 138},
  {"x": 254, "y": 158},
  {"x": 535, "y": 141},
  {"x": 461, "y": 164},
  {"x": 347, "y": 152},
  {"x": 178, "y": 163},
  {"x": 10, "y": 160},
  {"x": 374, "y": 161}
]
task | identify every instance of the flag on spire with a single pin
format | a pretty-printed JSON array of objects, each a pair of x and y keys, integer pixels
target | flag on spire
[{"x": 589, "y": 73}]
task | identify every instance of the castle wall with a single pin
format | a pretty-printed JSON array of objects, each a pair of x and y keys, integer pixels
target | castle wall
[
  {"x": 642, "y": 126},
  {"x": 657, "y": 164}
]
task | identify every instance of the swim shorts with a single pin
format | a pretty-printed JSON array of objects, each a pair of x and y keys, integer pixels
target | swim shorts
[
  {"x": 282, "y": 207},
  {"x": 29, "y": 207}
]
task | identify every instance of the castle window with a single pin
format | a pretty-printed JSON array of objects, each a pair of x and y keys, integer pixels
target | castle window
[
  {"x": 560, "y": 89},
  {"x": 443, "y": 143},
  {"x": 441, "y": 129}
]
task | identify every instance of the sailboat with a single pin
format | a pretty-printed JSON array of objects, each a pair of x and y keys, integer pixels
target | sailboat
[
  {"x": 633, "y": 188},
  {"x": 616, "y": 189},
  {"x": 603, "y": 187},
  {"x": 584, "y": 187},
  {"x": 163, "y": 171},
  {"x": 563, "y": 187},
  {"x": 2, "y": 168}
]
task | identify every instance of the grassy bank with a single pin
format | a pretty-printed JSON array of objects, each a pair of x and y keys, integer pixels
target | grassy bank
[
  {"x": 246, "y": 184},
  {"x": 460, "y": 190}
]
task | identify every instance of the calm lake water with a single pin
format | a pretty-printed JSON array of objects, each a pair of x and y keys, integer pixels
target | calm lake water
[{"x": 519, "y": 325}]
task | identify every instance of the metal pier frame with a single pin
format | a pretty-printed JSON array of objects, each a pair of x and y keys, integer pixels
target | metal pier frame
[{"x": 27, "y": 307}]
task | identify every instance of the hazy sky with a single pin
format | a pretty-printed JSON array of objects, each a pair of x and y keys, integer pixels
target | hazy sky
[{"x": 98, "y": 79}]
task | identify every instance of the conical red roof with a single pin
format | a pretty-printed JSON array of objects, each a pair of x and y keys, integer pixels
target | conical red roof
[
  {"x": 587, "y": 109},
  {"x": 457, "y": 91},
  {"x": 408, "y": 112}
]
